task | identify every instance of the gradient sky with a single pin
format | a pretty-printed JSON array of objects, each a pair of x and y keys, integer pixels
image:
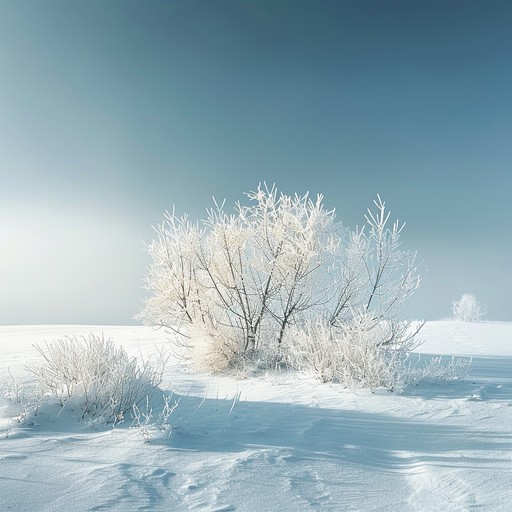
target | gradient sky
[{"x": 112, "y": 111}]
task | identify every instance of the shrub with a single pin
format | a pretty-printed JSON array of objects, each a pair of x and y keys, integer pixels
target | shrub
[
  {"x": 467, "y": 309},
  {"x": 93, "y": 375},
  {"x": 279, "y": 281},
  {"x": 362, "y": 352}
]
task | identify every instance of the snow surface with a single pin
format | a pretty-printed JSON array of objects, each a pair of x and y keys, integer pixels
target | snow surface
[{"x": 289, "y": 444}]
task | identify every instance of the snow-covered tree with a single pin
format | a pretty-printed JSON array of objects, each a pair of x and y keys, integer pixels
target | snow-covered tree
[
  {"x": 240, "y": 280},
  {"x": 372, "y": 273},
  {"x": 467, "y": 309},
  {"x": 242, "y": 286}
]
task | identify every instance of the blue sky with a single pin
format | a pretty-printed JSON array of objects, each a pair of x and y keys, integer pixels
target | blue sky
[{"x": 111, "y": 112}]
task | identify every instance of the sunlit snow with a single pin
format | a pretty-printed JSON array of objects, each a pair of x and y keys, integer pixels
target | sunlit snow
[{"x": 273, "y": 441}]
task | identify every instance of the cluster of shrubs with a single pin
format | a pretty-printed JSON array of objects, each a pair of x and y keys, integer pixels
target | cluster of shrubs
[{"x": 277, "y": 283}]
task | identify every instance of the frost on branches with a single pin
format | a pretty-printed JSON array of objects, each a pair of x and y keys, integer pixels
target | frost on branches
[{"x": 280, "y": 282}]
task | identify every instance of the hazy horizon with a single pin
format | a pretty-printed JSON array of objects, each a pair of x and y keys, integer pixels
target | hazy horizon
[{"x": 114, "y": 111}]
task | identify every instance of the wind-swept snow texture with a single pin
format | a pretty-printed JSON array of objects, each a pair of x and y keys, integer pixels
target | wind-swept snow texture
[{"x": 289, "y": 444}]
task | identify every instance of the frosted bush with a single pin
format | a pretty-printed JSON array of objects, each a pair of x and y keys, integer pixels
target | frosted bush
[
  {"x": 467, "y": 309},
  {"x": 151, "y": 425},
  {"x": 19, "y": 401},
  {"x": 280, "y": 281},
  {"x": 95, "y": 376},
  {"x": 412, "y": 370},
  {"x": 357, "y": 354},
  {"x": 361, "y": 352}
]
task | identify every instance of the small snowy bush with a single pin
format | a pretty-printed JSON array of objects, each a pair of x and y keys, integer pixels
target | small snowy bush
[
  {"x": 152, "y": 425},
  {"x": 19, "y": 401},
  {"x": 467, "y": 309},
  {"x": 412, "y": 370},
  {"x": 362, "y": 352},
  {"x": 94, "y": 376}
]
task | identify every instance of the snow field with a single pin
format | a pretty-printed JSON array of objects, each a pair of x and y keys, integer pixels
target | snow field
[{"x": 274, "y": 441}]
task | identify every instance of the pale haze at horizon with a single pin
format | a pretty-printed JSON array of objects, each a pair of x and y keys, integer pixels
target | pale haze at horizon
[{"x": 113, "y": 112}]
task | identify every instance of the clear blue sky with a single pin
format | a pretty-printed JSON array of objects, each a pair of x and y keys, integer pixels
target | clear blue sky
[{"x": 112, "y": 111}]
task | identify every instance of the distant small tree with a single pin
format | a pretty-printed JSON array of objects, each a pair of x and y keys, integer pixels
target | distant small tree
[{"x": 467, "y": 309}]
